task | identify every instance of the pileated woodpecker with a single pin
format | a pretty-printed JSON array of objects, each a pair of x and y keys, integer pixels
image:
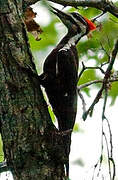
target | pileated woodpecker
[{"x": 60, "y": 75}]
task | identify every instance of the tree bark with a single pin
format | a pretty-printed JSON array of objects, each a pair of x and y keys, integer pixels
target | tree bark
[{"x": 32, "y": 148}]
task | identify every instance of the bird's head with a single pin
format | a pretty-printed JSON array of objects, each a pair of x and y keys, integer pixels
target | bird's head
[{"x": 75, "y": 23}]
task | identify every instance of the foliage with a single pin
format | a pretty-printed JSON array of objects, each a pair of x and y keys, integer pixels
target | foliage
[
  {"x": 1, "y": 150},
  {"x": 48, "y": 39}
]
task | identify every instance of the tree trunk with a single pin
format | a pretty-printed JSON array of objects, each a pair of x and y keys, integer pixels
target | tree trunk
[{"x": 32, "y": 148}]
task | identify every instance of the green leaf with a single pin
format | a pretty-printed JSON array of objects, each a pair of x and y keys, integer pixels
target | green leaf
[
  {"x": 84, "y": 46},
  {"x": 76, "y": 127},
  {"x": 87, "y": 12},
  {"x": 113, "y": 92},
  {"x": 88, "y": 75},
  {"x": 51, "y": 114},
  {"x": 1, "y": 150},
  {"x": 48, "y": 38}
]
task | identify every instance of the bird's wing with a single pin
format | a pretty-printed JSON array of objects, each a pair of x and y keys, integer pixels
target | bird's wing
[{"x": 66, "y": 69}]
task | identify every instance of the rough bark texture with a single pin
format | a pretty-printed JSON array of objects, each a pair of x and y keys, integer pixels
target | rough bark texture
[{"x": 32, "y": 149}]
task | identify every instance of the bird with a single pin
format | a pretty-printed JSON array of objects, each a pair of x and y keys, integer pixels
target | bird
[{"x": 60, "y": 75}]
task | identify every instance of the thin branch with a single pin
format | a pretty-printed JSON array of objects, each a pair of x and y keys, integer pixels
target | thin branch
[
  {"x": 104, "y": 134},
  {"x": 109, "y": 151},
  {"x": 99, "y": 162},
  {"x": 83, "y": 101},
  {"x": 94, "y": 82},
  {"x": 105, "y": 102},
  {"x": 114, "y": 168},
  {"x": 111, "y": 144},
  {"x": 105, "y": 81},
  {"x": 88, "y": 84},
  {"x": 103, "y": 5},
  {"x": 107, "y": 154},
  {"x": 85, "y": 68}
]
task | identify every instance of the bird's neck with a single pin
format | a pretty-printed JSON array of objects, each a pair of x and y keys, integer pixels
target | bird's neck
[{"x": 69, "y": 41}]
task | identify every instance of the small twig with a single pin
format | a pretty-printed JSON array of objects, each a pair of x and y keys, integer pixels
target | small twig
[
  {"x": 99, "y": 162},
  {"x": 110, "y": 157},
  {"x": 82, "y": 86},
  {"x": 85, "y": 68},
  {"x": 108, "y": 154},
  {"x": 105, "y": 102},
  {"x": 114, "y": 168},
  {"x": 105, "y": 6},
  {"x": 105, "y": 82},
  {"x": 111, "y": 153},
  {"x": 83, "y": 101},
  {"x": 88, "y": 84}
]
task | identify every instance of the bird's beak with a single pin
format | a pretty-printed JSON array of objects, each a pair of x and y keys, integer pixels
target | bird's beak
[
  {"x": 59, "y": 13},
  {"x": 64, "y": 17}
]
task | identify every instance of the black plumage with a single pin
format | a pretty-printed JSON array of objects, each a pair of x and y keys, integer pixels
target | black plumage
[{"x": 60, "y": 76}]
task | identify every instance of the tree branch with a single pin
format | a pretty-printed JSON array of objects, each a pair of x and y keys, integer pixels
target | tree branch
[
  {"x": 103, "y": 5},
  {"x": 86, "y": 68},
  {"x": 94, "y": 82},
  {"x": 105, "y": 81},
  {"x": 83, "y": 101},
  {"x": 109, "y": 145}
]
